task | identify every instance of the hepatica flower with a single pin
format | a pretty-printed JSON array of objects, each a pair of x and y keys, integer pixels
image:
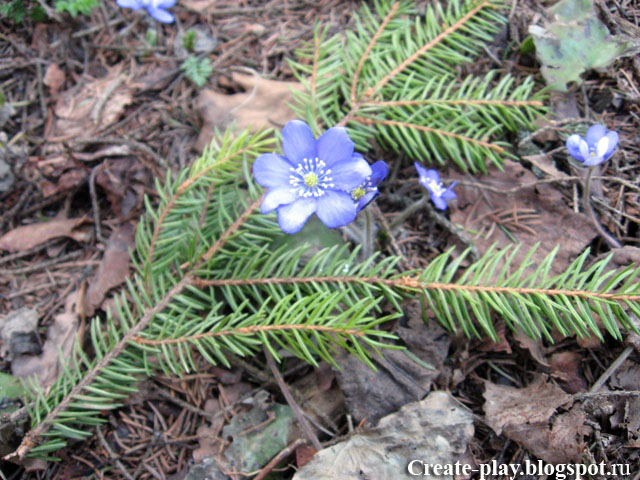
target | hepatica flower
[
  {"x": 430, "y": 179},
  {"x": 597, "y": 146},
  {"x": 313, "y": 176},
  {"x": 364, "y": 193},
  {"x": 155, "y": 8}
]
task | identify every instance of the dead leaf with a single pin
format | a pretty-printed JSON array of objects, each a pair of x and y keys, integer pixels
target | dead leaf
[
  {"x": 29, "y": 236},
  {"x": 263, "y": 104},
  {"x": 89, "y": 107},
  {"x": 566, "y": 366},
  {"x": 67, "y": 181},
  {"x": 537, "y": 214},
  {"x": 54, "y": 78},
  {"x": 399, "y": 379},
  {"x": 534, "y": 347},
  {"x": 58, "y": 347},
  {"x": 199, "y": 6},
  {"x": 124, "y": 181},
  {"x": 113, "y": 268},
  {"x": 523, "y": 415}
]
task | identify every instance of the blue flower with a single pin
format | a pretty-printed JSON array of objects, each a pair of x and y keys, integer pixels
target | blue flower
[
  {"x": 313, "y": 176},
  {"x": 597, "y": 147},
  {"x": 430, "y": 180},
  {"x": 364, "y": 193},
  {"x": 156, "y": 8}
]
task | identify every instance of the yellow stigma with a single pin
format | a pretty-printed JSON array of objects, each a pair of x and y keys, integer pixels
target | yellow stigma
[
  {"x": 311, "y": 180},
  {"x": 357, "y": 193}
]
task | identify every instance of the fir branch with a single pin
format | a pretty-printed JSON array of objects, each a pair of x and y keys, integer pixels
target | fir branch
[
  {"x": 425, "y": 48},
  {"x": 32, "y": 438}
]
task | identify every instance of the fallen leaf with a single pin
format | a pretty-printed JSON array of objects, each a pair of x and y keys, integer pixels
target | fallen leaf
[
  {"x": 436, "y": 430},
  {"x": 524, "y": 414},
  {"x": 89, "y": 107},
  {"x": 58, "y": 347},
  {"x": 536, "y": 214},
  {"x": 29, "y": 236},
  {"x": 54, "y": 78},
  {"x": 113, "y": 268},
  {"x": 263, "y": 104},
  {"x": 398, "y": 380},
  {"x": 507, "y": 406},
  {"x": 533, "y": 346},
  {"x": 576, "y": 41},
  {"x": 566, "y": 366},
  {"x": 67, "y": 181}
]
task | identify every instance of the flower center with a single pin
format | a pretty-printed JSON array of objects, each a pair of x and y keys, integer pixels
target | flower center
[
  {"x": 358, "y": 193},
  {"x": 435, "y": 187},
  {"x": 310, "y": 178}
]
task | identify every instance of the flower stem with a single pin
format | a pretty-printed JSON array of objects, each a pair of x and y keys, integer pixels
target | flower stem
[
  {"x": 367, "y": 247},
  {"x": 586, "y": 201}
]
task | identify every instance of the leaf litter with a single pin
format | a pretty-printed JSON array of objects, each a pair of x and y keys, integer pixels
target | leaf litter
[{"x": 102, "y": 99}]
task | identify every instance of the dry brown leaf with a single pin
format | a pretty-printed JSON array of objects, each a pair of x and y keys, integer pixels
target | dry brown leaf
[
  {"x": 263, "y": 104},
  {"x": 523, "y": 415},
  {"x": 29, "y": 236},
  {"x": 59, "y": 345},
  {"x": 54, "y": 78},
  {"x": 514, "y": 407},
  {"x": 113, "y": 268},
  {"x": 566, "y": 366},
  {"x": 87, "y": 108},
  {"x": 533, "y": 346},
  {"x": 551, "y": 221}
]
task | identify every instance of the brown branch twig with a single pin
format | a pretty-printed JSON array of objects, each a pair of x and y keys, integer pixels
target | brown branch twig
[
  {"x": 251, "y": 331},
  {"x": 415, "y": 283},
  {"x": 278, "y": 458}
]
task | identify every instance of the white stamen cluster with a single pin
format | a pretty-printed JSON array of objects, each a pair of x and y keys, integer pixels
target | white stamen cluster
[
  {"x": 435, "y": 187},
  {"x": 310, "y": 178}
]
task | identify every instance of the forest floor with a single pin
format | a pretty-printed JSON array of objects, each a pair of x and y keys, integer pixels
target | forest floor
[{"x": 98, "y": 107}]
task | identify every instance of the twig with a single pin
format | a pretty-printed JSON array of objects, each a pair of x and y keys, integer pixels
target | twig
[
  {"x": 278, "y": 458},
  {"x": 41, "y": 265},
  {"x": 94, "y": 202},
  {"x": 112, "y": 454},
  {"x": 292, "y": 403},
  {"x": 610, "y": 371}
]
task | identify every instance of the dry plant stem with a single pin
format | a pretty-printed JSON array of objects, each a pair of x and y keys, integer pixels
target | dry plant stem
[
  {"x": 586, "y": 201},
  {"x": 113, "y": 456},
  {"x": 407, "y": 212},
  {"x": 32, "y": 438},
  {"x": 611, "y": 370},
  {"x": 291, "y": 401},
  {"x": 278, "y": 458}
]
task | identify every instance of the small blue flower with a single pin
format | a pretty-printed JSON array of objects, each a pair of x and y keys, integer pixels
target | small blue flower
[
  {"x": 430, "y": 180},
  {"x": 597, "y": 147},
  {"x": 364, "y": 193},
  {"x": 313, "y": 176},
  {"x": 156, "y": 8}
]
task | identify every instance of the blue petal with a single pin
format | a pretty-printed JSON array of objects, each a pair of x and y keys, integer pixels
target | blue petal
[
  {"x": 379, "y": 171},
  {"x": 133, "y": 4},
  {"x": 366, "y": 199},
  {"x": 421, "y": 170},
  {"x": 276, "y": 197},
  {"x": 298, "y": 142},
  {"x": 573, "y": 146},
  {"x": 594, "y": 134},
  {"x": 449, "y": 194},
  {"x": 160, "y": 15},
  {"x": 166, "y": 3},
  {"x": 292, "y": 217},
  {"x": 334, "y": 146},
  {"x": 613, "y": 143},
  {"x": 350, "y": 174},
  {"x": 432, "y": 174},
  {"x": 336, "y": 209},
  {"x": 439, "y": 202},
  {"x": 271, "y": 170}
]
